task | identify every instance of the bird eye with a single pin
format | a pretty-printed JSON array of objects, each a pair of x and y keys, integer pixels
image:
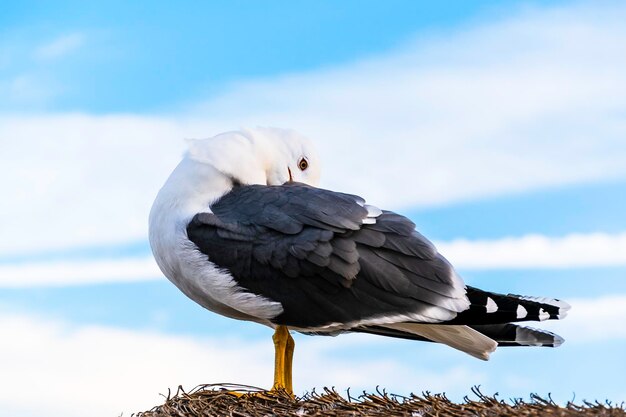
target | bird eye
[{"x": 303, "y": 164}]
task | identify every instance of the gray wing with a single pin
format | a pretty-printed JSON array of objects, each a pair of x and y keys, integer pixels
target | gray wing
[{"x": 327, "y": 257}]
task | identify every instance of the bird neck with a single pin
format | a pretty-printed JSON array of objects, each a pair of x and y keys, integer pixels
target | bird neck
[{"x": 191, "y": 188}]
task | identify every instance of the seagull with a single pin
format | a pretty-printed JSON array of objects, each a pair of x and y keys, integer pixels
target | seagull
[{"x": 241, "y": 228}]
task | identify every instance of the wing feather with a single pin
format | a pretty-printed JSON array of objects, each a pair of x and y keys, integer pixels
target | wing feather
[{"x": 327, "y": 257}]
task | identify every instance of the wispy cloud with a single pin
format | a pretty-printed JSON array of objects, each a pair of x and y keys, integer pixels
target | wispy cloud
[
  {"x": 61, "y": 46},
  {"x": 26, "y": 80},
  {"x": 78, "y": 272},
  {"x": 536, "y": 251},
  {"x": 28, "y": 88},
  {"x": 516, "y": 105}
]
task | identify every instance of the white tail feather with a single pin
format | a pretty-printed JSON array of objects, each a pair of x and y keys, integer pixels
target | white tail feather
[{"x": 462, "y": 338}]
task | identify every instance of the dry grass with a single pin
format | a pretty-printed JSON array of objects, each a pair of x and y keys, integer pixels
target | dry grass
[{"x": 214, "y": 400}]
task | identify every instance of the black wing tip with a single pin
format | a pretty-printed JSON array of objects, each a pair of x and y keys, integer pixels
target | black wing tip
[{"x": 510, "y": 334}]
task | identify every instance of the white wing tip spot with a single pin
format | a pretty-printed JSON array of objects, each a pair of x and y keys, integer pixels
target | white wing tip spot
[
  {"x": 372, "y": 213},
  {"x": 521, "y": 312},
  {"x": 492, "y": 307},
  {"x": 543, "y": 315}
]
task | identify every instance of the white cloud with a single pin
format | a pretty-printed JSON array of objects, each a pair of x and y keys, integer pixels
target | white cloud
[
  {"x": 79, "y": 179},
  {"x": 532, "y": 251},
  {"x": 521, "y": 104},
  {"x": 108, "y": 370},
  {"x": 536, "y": 251},
  {"x": 78, "y": 272},
  {"x": 103, "y": 371},
  {"x": 61, "y": 46}
]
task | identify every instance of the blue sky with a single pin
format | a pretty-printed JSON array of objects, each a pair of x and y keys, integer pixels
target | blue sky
[
  {"x": 498, "y": 127},
  {"x": 149, "y": 56}
]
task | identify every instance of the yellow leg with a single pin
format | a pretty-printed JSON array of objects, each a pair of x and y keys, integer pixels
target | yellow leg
[
  {"x": 288, "y": 364},
  {"x": 283, "y": 346}
]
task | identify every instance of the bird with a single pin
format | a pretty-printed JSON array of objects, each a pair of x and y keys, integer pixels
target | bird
[{"x": 241, "y": 228}]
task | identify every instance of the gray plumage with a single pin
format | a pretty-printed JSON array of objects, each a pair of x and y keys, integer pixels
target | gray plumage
[{"x": 310, "y": 250}]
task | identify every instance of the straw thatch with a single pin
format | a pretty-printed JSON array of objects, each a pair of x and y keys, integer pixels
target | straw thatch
[{"x": 215, "y": 400}]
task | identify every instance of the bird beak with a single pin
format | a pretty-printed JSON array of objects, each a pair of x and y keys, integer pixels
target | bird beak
[{"x": 290, "y": 176}]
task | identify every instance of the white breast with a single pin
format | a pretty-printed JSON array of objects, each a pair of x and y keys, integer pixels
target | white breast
[{"x": 189, "y": 190}]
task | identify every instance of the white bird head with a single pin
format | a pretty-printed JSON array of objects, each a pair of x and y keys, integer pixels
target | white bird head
[{"x": 267, "y": 156}]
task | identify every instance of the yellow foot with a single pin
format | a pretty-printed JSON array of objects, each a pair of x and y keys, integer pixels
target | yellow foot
[
  {"x": 235, "y": 390},
  {"x": 239, "y": 391},
  {"x": 281, "y": 392},
  {"x": 283, "y": 381},
  {"x": 264, "y": 395}
]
